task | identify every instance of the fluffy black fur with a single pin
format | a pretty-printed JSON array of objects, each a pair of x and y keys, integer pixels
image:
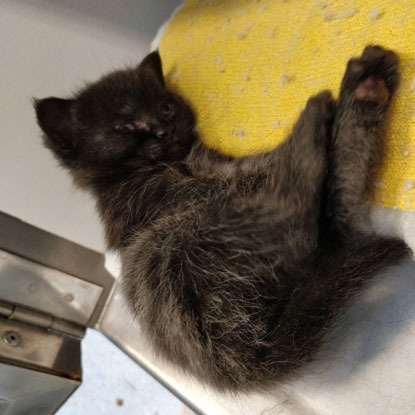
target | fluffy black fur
[{"x": 235, "y": 268}]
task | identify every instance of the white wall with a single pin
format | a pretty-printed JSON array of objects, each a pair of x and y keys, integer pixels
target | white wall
[{"x": 51, "y": 48}]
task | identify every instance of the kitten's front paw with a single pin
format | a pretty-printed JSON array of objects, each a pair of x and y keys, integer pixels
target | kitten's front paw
[
  {"x": 322, "y": 107},
  {"x": 373, "y": 77},
  {"x": 325, "y": 104},
  {"x": 317, "y": 118}
]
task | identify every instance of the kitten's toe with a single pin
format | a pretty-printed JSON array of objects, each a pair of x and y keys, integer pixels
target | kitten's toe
[
  {"x": 373, "y": 77},
  {"x": 381, "y": 59}
]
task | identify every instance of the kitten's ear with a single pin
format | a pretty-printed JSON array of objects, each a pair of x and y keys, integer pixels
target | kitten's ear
[
  {"x": 151, "y": 67},
  {"x": 54, "y": 116}
]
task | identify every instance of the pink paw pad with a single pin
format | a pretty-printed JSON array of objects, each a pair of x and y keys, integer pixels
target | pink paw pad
[{"x": 372, "y": 89}]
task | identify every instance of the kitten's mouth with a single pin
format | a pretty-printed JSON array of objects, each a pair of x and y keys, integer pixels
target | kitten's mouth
[{"x": 146, "y": 134}]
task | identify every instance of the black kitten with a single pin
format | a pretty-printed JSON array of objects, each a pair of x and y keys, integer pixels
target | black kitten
[{"x": 235, "y": 268}]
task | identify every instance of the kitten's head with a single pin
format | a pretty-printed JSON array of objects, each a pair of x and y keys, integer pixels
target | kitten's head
[{"x": 128, "y": 114}]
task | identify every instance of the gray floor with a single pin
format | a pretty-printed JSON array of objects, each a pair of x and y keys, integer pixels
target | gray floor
[{"x": 114, "y": 384}]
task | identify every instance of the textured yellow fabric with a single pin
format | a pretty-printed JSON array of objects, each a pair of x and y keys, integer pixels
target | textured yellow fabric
[{"x": 248, "y": 67}]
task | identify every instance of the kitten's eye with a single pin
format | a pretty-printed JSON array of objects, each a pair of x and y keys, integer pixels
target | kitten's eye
[
  {"x": 125, "y": 127},
  {"x": 167, "y": 109}
]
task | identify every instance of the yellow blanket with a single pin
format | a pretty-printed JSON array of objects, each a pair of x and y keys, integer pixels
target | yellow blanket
[{"x": 249, "y": 66}]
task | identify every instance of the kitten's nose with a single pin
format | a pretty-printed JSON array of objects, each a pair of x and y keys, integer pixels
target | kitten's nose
[
  {"x": 161, "y": 130},
  {"x": 164, "y": 131}
]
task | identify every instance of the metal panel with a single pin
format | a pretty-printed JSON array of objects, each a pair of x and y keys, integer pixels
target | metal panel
[
  {"x": 50, "y": 289},
  {"x": 41, "y": 247},
  {"x": 39, "y": 369},
  {"x": 28, "y": 392},
  {"x": 46, "y": 289},
  {"x": 37, "y": 347}
]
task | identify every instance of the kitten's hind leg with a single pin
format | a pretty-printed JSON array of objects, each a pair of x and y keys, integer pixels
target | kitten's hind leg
[{"x": 366, "y": 90}]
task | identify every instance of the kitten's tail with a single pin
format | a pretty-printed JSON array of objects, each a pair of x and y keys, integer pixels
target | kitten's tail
[
  {"x": 339, "y": 277},
  {"x": 312, "y": 308}
]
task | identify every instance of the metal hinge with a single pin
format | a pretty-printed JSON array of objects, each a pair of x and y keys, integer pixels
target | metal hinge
[{"x": 43, "y": 320}]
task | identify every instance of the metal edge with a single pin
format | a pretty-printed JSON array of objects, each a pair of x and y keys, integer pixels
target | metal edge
[{"x": 153, "y": 374}]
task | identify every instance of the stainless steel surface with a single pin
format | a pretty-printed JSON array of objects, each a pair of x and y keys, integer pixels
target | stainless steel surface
[
  {"x": 46, "y": 289},
  {"x": 40, "y": 348},
  {"x": 29, "y": 392}
]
